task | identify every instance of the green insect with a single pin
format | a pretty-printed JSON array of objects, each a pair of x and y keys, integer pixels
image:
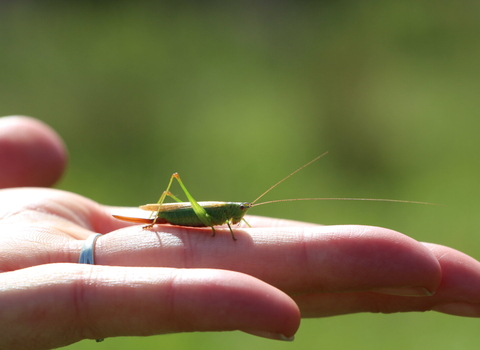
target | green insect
[{"x": 211, "y": 214}]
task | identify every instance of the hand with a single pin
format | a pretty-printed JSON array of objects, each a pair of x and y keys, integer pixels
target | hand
[{"x": 176, "y": 279}]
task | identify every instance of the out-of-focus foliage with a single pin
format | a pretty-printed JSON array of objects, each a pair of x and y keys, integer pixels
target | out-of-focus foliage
[{"x": 236, "y": 96}]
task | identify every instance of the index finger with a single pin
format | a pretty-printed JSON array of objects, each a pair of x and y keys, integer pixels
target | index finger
[
  {"x": 52, "y": 305},
  {"x": 295, "y": 259}
]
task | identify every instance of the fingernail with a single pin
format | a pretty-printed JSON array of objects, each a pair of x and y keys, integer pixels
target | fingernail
[
  {"x": 459, "y": 309},
  {"x": 271, "y": 335},
  {"x": 406, "y": 291}
]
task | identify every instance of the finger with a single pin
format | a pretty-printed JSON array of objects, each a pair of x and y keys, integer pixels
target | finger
[
  {"x": 296, "y": 260},
  {"x": 31, "y": 153},
  {"x": 458, "y": 293},
  {"x": 99, "y": 301}
]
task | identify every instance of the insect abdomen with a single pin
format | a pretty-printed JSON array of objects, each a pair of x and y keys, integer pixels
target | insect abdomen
[{"x": 219, "y": 215}]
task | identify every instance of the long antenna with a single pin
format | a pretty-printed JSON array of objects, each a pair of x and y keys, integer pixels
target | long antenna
[
  {"x": 343, "y": 199},
  {"x": 286, "y": 177},
  {"x": 325, "y": 199}
]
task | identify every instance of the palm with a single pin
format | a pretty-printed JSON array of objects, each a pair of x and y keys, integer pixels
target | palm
[{"x": 176, "y": 279}]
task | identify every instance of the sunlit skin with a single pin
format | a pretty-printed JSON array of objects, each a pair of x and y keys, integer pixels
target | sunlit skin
[{"x": 170, "y": 280}]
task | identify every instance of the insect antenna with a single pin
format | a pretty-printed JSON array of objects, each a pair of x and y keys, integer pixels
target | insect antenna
[
  {"x": 254, "y": 203},
  {"x": 286, "y": 177},
  {"x": 343, "y": 199}
]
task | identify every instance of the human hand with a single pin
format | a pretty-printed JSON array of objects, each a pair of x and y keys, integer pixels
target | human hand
[{"x": 176, "y": 279}]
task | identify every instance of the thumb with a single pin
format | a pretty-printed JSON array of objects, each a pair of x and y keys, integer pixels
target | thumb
[{"x": 31, "y": 153}]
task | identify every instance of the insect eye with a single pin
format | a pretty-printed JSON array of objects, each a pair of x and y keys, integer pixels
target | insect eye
[{"x": 242, "y": 207}]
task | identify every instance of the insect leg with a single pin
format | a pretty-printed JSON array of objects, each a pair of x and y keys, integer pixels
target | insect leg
[
  {"x": 170, "y": 194},
  {"x": 197, "y": 208},
  {"x": 245, "y": 221},
  {"x": 231, "y": 231},
  {"x": 160, "y": 202}
]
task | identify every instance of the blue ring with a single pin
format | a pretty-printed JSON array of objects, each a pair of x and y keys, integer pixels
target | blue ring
[{"x": 88, "y": 250}]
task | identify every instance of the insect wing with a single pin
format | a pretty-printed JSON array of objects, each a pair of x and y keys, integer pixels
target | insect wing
[{"x": 178, "y": 206}]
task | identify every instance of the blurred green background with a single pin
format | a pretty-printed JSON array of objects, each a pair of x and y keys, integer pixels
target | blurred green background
[{"x": 234, "y": 96}]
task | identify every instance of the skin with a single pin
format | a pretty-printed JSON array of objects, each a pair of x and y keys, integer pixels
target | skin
[{"x": 175, "y": 279}]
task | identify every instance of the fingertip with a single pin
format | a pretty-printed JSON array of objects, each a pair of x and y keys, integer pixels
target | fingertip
[
  {"x": 253, "y": 305},
  {"x": 270, "y": 335},
  {"x": 31, "y": 153}
]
